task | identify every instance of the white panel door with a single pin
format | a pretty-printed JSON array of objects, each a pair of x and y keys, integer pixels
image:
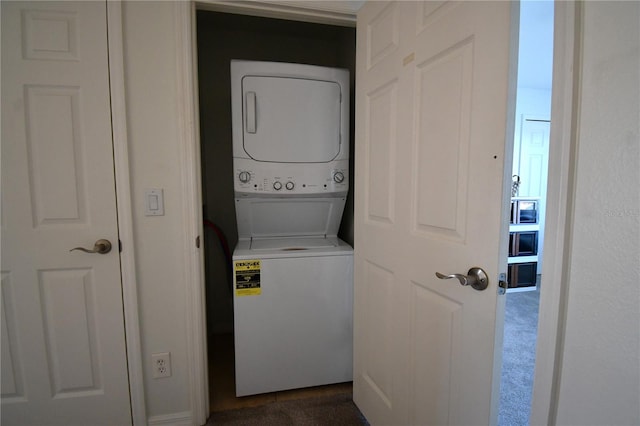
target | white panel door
[
  {"x": 432, "y": 92},
  {"x": 534, "y": 170},
  {"x": 63, "y": 349},
  {"x": 534, "y": 157}
]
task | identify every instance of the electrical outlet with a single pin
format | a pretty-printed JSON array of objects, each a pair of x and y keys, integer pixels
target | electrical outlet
[{"x": 161, "y": 364}]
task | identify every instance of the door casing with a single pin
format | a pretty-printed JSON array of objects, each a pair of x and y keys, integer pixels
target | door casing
[{"x": 125, "y": 212}]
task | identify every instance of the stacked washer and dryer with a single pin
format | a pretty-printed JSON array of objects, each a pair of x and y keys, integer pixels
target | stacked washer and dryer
[{"x": 293, "y": 277}]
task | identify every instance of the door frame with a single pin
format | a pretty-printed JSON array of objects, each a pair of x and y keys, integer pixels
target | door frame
[
  {"x": 567, "y": 64},
  {"x": 115, "y": 52},
  {"x": 566, "y": 68}
]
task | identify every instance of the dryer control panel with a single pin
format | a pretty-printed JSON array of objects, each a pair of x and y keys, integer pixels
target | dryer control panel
[{"x": 265, "y": 178}]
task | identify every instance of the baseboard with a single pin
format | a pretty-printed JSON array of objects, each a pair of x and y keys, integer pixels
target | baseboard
[{"x": 176, "y": 419}]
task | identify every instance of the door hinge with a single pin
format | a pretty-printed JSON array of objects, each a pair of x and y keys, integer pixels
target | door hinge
[
  {"x": 502, "y": 283},
  {"x": 119, "y": 246},
  {"x": 198, "y": 241}
]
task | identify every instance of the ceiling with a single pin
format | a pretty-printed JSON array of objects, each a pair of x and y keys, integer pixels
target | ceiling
[{"x": 536, "y": 44}]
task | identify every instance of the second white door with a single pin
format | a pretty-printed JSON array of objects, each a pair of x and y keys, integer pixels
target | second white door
[
  {"x": 63, "y": 347},
  {"x": 432, "y": 106}
]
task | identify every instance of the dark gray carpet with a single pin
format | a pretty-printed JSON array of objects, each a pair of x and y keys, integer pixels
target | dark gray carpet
[
  {"x": 518, "y": 358},
  {"x": 320, "y": 411}
]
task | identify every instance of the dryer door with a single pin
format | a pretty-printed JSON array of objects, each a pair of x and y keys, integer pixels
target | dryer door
[{"x": 291, "y": 120}]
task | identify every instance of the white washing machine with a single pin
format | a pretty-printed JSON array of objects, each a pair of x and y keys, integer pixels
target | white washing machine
[
  {"x": 297, "y": 332},
  {"x": 293, "y": 277}
]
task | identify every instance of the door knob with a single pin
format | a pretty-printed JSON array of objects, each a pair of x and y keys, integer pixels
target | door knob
[
  {"x": 101, "y": 246},
  {"x": 476, "y": 278}
]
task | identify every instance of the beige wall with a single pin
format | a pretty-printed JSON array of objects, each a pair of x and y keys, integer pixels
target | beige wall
[
  {"x": 600, "y": 377},
  {"x": 150, "y": 84}
]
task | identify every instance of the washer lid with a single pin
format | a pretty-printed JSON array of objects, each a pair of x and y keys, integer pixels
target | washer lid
[
  {"x": 290, "y": 217},
  {"x": 291, "y": 120},
  {"x": 292, "y": 244}
]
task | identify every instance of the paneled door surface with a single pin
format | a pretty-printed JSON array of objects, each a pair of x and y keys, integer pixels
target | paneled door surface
[
  {"x": 63, "y": 348},
  {"x": 432, "y": 104},
  {"x": 534, "y": 157}
]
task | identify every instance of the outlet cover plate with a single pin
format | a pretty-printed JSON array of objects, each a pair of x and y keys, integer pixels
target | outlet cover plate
[{"x": 161, "y": 364}]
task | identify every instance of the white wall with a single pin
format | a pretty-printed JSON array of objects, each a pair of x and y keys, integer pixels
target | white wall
[
  {"x": 600, "y": 377},
  {"x": 151, "y": 94}
]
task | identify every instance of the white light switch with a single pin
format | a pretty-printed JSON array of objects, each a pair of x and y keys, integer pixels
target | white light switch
[{"x": 153, "y": 202}]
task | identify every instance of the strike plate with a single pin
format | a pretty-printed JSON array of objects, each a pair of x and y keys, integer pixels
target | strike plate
[{"x": 502, "y": 283}]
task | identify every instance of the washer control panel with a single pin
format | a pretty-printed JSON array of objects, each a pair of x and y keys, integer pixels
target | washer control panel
[{"x": 253, "y": 177}]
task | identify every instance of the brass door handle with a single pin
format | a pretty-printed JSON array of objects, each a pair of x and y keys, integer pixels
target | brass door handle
[
  {"x": 101, "y": 246},
  {"x": 476, "y": 278}
]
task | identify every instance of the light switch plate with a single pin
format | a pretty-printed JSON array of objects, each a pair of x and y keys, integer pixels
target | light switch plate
[{"x": 153, "y": 202}]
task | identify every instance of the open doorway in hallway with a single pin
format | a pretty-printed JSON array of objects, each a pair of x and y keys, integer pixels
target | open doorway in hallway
[{"x": 526, "y": 243}]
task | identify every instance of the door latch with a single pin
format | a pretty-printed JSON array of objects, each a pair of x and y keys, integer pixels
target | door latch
[{"x": 502, "y": 283}]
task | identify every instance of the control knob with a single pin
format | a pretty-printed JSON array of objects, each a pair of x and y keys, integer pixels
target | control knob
[
  {"x": 277, "y": 185},
  {"x": 289, "y": 185},
  {"x": 338, "y": 177},
  {"x": 244, "y": 177}
]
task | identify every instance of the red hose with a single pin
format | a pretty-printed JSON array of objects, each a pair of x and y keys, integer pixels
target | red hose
[{"x": 221, "y": 238}]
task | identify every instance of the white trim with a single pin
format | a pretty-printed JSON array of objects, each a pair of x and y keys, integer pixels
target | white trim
[
  {"x": 560, "y": 190},
  {"x": 125, "y": 219},
  {"x": 189, "y": 148},
  {"x": 345, "y": 7},
  {"x": 175, "y": 419},
  {"x": 330, "y": 13}
]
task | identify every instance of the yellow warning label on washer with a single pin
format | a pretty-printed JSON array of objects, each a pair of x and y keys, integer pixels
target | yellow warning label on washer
[{"x": 247, "y": 277}]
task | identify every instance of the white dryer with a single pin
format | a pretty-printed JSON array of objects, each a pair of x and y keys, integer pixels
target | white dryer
[{"x": 293, "y": 277}]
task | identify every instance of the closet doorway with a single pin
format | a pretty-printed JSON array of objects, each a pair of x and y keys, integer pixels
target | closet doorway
[{"x": 222, "y": 37}]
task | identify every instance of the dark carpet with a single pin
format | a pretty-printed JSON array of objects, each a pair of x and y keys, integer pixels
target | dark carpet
[
  {"x": 331, "y": 410},
  {"x": 518, "y": 358}
]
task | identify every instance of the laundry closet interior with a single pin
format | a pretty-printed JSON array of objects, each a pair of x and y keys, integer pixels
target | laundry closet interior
[{"x": 221, "y": 38}]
